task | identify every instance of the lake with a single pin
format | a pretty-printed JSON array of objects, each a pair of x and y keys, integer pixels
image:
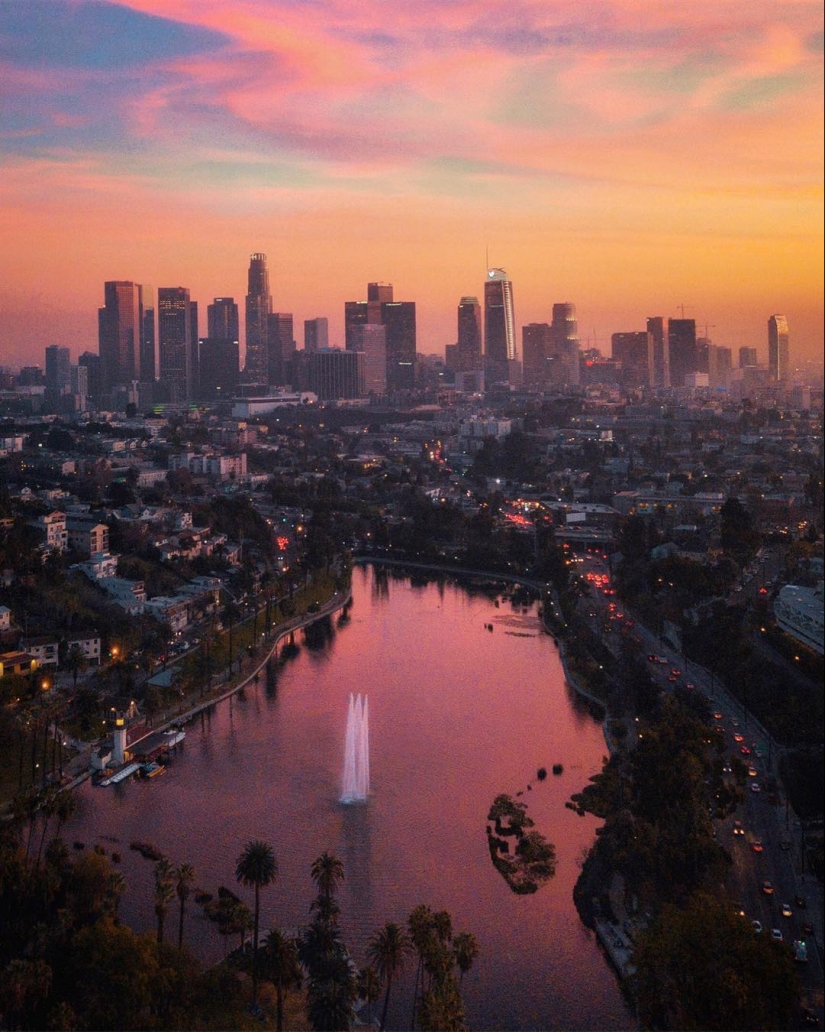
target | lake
[{"x": 467, "y": 700}]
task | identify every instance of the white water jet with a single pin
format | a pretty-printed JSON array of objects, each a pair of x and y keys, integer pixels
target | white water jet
[{"x": 355, "y": 783}]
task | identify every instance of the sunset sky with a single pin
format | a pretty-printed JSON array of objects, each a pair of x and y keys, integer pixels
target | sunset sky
[{"x": 628, "y": 157}]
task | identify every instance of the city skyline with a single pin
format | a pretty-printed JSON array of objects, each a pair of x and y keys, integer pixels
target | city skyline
[{"x": 629, "y": 168}]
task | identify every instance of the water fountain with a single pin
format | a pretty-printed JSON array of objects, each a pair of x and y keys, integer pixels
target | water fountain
[{"x": 355, "y": 784}]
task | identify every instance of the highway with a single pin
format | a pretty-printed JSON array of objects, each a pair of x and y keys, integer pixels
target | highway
[{"x": 765, "y": 816}]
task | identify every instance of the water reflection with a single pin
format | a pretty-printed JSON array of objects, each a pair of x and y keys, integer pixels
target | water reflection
[{"x": 457, "y": 716}]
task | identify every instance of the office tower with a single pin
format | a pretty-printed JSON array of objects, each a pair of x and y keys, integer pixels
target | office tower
[
  {"x": 660, "y": 352},
  {"x": 175, "y": 344},
  {"x": 469, "y": 335},
  {"x": 194, "y": 337},
  {"x": 222, "y": 319},
  {"x": 280, "y": 347},
  {"x": 566, "y": 340},
  {"x": 147, "y": 370},
  {"x": 258, "y": 310},
  {"x": 119, "y": 332},
  {"x": 398, "y": 319},
  {"x": 218, "y": 366},
  {"x": 335, "y": 374},
  {"x": 681, "y": 336},
  {"x": 371, "y": 340},
  {"x": 58, "y": 370},
  {"x": 635, "y": 352},
  {"x": 316, "y": 334},
  {"x": 379, "y": 292},
  {"x": 499, "y": 326},
  {"x": 719, "y": 367},
  {"x": 703, "y": 346},
  {"x": 537, "y": 354},
  {"x": 778, "y": 361},
  {"x": 80, "y": 385},
  {"x": 31, "y": 376},
  {"x": 747, "y": 357},
  {"x": 94, "y": 384}
]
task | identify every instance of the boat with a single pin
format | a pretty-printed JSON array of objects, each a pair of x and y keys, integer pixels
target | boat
[
  {"x": 173, "y": 736},
  {"x": 151, "y": 770}
]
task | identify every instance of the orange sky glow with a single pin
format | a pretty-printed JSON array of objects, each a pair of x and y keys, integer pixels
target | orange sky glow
[{"x": 629, "y": 158}]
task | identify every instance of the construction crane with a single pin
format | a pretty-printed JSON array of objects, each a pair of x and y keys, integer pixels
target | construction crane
[{"x": 682, "y": 309}]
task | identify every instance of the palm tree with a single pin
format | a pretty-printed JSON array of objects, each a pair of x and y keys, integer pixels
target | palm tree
[
  {"x": 465, "y": 950},
  {"x": 258, "y": 867},
  {"x": 185, "y": 876},
  {"x": 280, "y": 965},
  {"x": 76, "y": 662},
  {"x": 369, "y": 988},
  {"x": 164, "y": 891},
  {"x": 387, "y": 950},
  {"x": 327, "y": 872}
]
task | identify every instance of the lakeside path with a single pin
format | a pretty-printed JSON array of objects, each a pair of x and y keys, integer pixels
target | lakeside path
[{"x": 247, "y": 674}]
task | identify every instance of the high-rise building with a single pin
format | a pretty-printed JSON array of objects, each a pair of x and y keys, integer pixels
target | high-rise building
[
  {"x": 779, "y": 368},
  {"x": 258, "y": 310},
  {"x": 499, "y": 327},
  {"x": 398, "y": 319},
  {"x": 469, "y": 343},
  {"x": 316, "y": 334},
  {"x": 92, "y": 363},
  {"x": 635, "y": 351},
  {"x": 335, "y": 374},
  {"x": 719, "y": 367},
  {"x": 681, "y": 336},
  {"x": 537, "y": 354},
  {"x": 747, "y": 357},
  {"x": 565, "y": 332},
  {"x": 58, "y": 370},
  {"x": 660, "y": 345},
  {"x": 280, "y": 347},
  {"x": 371, "y": 340},
  {"x": 218, "y": 368},
  {"x": 148, "y": 364},
  {"x": 176, "y": 348},
  {"x": 120, "y": 325},
  {"x": 222, "y": 319}
]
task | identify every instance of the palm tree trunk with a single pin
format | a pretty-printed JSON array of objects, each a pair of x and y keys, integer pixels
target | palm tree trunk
[
  {"x": 255, "y": 948},
  {"x": 180, "y": 926},
  {"x": 386, "y": 1004},
  {"x": 279, "y": 995}
]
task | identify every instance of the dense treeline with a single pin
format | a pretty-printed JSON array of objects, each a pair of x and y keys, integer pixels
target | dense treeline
[{"x": 68, "y": 962}]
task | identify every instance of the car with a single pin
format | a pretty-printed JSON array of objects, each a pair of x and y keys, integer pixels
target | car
[
  {"x": 752, "y": 772},
  {"x": 651, "y": 658},
  {"x": 690, "y": 686},
  {"x": 776, "y": 935},
  {"x": 755, "y": 787},
  {"x": 784, "y": 845},
  {"x": 786, "y": 910},
  {"x": 810, "y": 1017},
  {"x": 676, "y": 672},
  {"x": 745, "y": 751},
  {"x": 737, "y": 828},
  {"x": 763, "y": 591},
  {"x": 767, "y": 888},
  {"x": 673, "y": 679},
  {"x": 718, "y": 716},
  {"x": 807, "y": 928},
  {"x": 800, "y": 901},
  {"x": 757, "y": 846},
  {"x": 738, "y": 738},
  {"x": 757, "y": 927}
]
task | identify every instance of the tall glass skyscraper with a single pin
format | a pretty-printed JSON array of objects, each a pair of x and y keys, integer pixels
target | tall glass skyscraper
[
  {"x": 398, "y": 320},
  {"x": 499, "y": 326},
  {"x": 684, "y": 356},
  {"x": 778, "y": 357},
  {"x": 121, "y": 328},
  {"x": 176, "y": 343},
  {"x": 565, "y": 332},
  {"x": 258, "y": 310},
  {"x": 661, "y": 352},
  {"x": 469, "y": 335},
  {"x": 222, "y": 319}
]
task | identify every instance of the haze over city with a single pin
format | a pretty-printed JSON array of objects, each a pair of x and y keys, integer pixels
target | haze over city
[{"x": 630, "y": 164}]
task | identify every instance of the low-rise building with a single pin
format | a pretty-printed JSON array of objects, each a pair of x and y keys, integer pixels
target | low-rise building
[{"x": 16, "y": 663}]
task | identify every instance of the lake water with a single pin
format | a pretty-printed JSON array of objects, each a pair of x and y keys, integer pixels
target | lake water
[{"x": 458, "y": 715}]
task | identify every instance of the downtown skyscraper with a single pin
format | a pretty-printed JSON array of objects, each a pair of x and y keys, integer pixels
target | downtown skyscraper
[
  {"x": 398, "y": 320},
  {"x": 258, "y": 310},
  {"x": 778, "y": 355},
  {"x": 177, "y": 343},
  {"x": 499, "y": 327},
  {"x": 469, "y": 344},
  {"x": 126, "y": 334}
]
